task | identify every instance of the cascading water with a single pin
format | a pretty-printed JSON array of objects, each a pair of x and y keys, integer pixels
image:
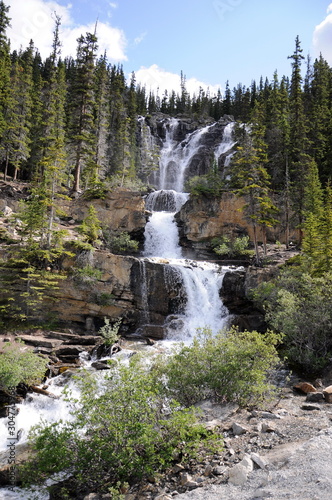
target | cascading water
[
  {"x": 201, "y": 280},
  {"x": 227, "y": 142},
  {"x": 200, "y": 304}
]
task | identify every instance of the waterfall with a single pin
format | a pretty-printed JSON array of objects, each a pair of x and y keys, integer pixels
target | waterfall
[
  {"x": 227, "y": 142},
  {"x": 175, "y": 157},
  {"x": 144, "y": 291},
  {"x": 201, "y": 305}
]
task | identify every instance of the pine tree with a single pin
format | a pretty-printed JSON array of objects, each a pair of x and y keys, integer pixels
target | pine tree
[
  {"x": 251, "y": 179},
  {"x": 320, "y": 115},
  {"x": 15, "y": 141},
  {"x": 327, "y": 231},
  {"x": 298, "y": 159},
  {"x": 312, "y": 244},
  {"x": 81, "y": 110},
  {"x": 5, "y": 66},
  {"x": 102, "y": 119}
]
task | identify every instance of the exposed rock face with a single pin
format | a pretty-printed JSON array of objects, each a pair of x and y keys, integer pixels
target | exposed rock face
[
  {"x": 120, "y": 292},
  {"x": 201, "y": 219},
  {"x": 121, "y": 210},
  {"x": 234, "y": 296}
]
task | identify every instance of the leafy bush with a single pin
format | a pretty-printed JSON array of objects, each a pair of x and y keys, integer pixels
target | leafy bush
[
  {"x": 232, "y": 247},
  {"x": 300, "y": 306},
  {"x": 104, "y": 298},
  {"x": 120, "y": 243},
  {"x": 18, "y": 365},
  {"x": 231, "y": 366},
  {"x": 207, "y": 185},
  {"x": 87, "y": 274},
  {"x": 110, "y": 332},
  {"x": 97, "y": 190},
  {"x": 122, "y": 434}
]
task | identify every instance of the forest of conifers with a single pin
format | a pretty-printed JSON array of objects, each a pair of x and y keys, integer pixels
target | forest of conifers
[{"x": 76, "y": 119}]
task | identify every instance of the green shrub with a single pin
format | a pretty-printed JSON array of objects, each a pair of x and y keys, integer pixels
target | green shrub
[
  {"x": 122, "y": 434},
  {"x": 131, "y": 183},
  {"x": 120, "y": 243},
  {"x": 18, "y": 365},
  {"x": 206, "y": 185},
  {"x": 231, "y": 366},
  {"x": 232, "y": 247},
  {"x": 97, "y": 190},
  {"x": 87, "y": 274},
  {"x": 104, "y": 298},
  {"x": 110, "y": 332},
  {"x": 300, "y": 306}
]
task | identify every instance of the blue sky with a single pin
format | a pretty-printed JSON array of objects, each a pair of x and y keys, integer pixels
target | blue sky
[{"x": 210, "y": 41}]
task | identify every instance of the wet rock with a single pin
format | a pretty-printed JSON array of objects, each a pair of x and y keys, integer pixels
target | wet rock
[
  {"x": 68, "y": 350},
  {"x": 99, "y": 365}
]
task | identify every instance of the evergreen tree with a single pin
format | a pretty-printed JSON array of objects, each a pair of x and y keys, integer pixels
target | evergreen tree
[
  {"x": 81, "y": 110},
  {"x": 15, "y": 141},
  {"x": 326, "y": 235},
  {"x": 251, "y": 179},
  {"x": 320, "y": 115},
  {"x": 102, "y": 119},
  {"x": 5, "y": 66},
  {"x": 299, "y": 160},
  {"x": 312, "y": 244}
]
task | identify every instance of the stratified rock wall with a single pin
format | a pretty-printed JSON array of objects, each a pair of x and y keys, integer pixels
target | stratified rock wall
[
  {"x": 201, "y": 219},
  {"x": 120, "y": 210}
]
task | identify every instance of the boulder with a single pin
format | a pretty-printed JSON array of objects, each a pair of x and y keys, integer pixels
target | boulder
[
  {"x": 238, "y": 474},
  {"x": 327, "y": 392},
  {"x": 314, "y": 397},
  {"x": 99, "y": 365},
  {"x": 238, "y": 429},
  {"x": 304, "y": 387}
]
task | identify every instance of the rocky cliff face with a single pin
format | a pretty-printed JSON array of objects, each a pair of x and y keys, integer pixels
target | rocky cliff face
[
  {"x": 202, "y": 219},
  {"x": 143, "y": 294},
  {"x": 120, "y": 210}
]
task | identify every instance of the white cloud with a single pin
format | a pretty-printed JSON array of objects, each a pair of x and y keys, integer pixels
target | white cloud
[
  {"x": 33, "y": 19},
  {"x": 155, "y": 78},
  {"x": 322, "y": 37},
  {"x": 140, "y": 38}
]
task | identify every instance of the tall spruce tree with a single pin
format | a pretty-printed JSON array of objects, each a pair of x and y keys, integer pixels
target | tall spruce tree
[
  {"x": 81, "y": 110},
  {"x": 5, "y": 67},
  {"x": 299, "y": 161},
  {"x": 251, "y": 179}
]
